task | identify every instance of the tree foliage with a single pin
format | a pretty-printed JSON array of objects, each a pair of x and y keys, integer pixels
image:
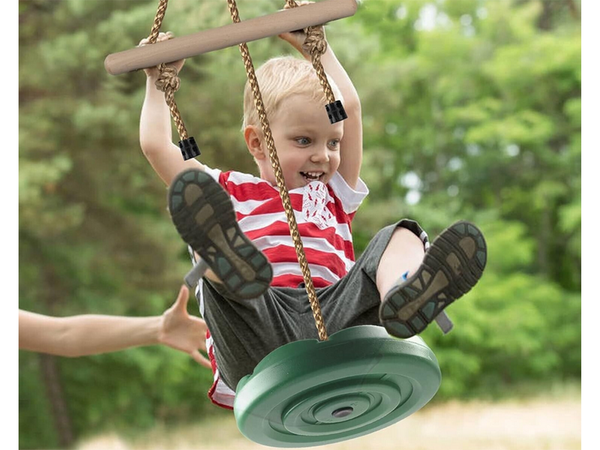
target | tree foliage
[
  {"x": 471, "y": 108},
  {"x": 476, "y": 114}
]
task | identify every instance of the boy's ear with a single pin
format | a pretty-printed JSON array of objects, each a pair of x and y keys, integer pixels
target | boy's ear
[{"x": 253, "y": 138}]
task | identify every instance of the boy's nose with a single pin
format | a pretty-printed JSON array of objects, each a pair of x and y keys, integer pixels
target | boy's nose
[{"x": 320, "y": 154}]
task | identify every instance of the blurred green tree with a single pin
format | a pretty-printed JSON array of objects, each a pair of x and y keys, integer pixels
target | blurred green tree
[{"x": 476, "y": 113}]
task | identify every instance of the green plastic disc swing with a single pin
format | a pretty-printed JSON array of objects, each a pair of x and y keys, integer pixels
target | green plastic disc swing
[{"x": 312, "y": 392}]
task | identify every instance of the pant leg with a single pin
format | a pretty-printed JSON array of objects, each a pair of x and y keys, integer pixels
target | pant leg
[
  {"x": 244, "y": 332},
  {"x": 354, "y": 300}
]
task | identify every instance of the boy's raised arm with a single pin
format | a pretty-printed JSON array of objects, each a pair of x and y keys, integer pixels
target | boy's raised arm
[
  {"x": 351, "y": 146},
  {"x": 156, "y": 133}
]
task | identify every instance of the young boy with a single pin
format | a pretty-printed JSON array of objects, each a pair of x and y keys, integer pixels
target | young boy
[{"x": 254, "y": 299}]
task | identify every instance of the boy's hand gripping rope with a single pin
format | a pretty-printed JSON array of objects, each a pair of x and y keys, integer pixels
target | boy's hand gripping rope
[
  {"x": 168, "y": 82},
  {"x": 316, "y": 46}
]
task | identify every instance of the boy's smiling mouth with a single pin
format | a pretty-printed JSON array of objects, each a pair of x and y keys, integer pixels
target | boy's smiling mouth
[{"x": 312, "y": 176}]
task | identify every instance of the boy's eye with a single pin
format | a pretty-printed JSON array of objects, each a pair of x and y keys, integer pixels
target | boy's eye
[
  {"x": 335, "y": 143},
  {"x": 303, "y": 141}
]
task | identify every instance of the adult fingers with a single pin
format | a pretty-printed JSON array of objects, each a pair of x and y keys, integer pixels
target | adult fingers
[
  {"x": 182, "y": 298},
  {"x": 201, "y": 359}
]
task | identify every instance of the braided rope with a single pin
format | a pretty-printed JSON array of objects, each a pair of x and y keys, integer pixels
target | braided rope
[
  {"x": 168, "y": 81},
  {"x": 158, "y": 19},
  {"x": 283, "y": 192},
  {"x": 316, "y": 46}
]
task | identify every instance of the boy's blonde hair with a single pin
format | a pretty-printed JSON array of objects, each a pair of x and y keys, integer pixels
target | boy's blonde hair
[{"x": 280, "y": 78}]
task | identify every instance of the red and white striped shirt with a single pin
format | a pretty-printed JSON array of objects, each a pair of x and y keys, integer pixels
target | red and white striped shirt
[{"x": 323, "y": 212}]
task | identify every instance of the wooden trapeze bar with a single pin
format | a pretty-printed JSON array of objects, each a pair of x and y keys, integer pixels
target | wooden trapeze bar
[{"x": 229, "y": 35}]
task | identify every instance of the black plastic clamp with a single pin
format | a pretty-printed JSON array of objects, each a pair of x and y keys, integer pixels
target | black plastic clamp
[
  {"x": 336, "y": 112},
  {"x": 189, "y": 148}
]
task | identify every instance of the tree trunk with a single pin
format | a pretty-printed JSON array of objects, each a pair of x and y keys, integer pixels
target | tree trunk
[
  {"x": 544, "y": 240},
  {"x": 573, "y": 9},
  {"x": 545, "y": 19},
  {"x": 552, "y": 9},
  {"x": 49, "y": 367},
  {"x": 60, "y": 414}
]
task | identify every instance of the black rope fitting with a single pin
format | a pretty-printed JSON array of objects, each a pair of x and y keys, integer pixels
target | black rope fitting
[
  {"x": 336, "y": 112},
  {"x": 189, "y": 148}
]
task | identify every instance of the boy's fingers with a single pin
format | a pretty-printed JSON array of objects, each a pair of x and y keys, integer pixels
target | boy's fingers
[
  {"x": 165, "y": 36},
  {"x": 297, "y": 3},
  {"x": 161, "y": 37}
]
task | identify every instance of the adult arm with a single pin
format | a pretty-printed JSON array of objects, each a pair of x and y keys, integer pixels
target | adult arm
[{"x": 93, "y": 334}]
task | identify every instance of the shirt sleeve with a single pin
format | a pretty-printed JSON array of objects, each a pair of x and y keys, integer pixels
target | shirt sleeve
[
  {"x": 350, "y": 198},
  {"x": 215, "y": 173}
]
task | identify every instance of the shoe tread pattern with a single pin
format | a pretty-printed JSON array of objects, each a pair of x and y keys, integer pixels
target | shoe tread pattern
[
  {"x": 205, "y": 219},
  {"x": 451, "y": 267}
]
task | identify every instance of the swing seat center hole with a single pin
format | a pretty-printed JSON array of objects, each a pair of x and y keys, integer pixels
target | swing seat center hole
[{"x": 342, "y": 412}]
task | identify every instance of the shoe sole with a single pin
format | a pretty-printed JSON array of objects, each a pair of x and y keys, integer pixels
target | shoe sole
[
  {"x": 204, "y": 217},
  {"x": 451, "y": 267}
]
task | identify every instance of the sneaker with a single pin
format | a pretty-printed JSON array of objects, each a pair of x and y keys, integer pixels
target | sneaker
[
  {"x": 204, "y": 217},
  {"x": 451, "y": 267}
]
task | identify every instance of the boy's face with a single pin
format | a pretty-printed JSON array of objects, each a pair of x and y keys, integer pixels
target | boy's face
[{"x": 308, "y": 145}]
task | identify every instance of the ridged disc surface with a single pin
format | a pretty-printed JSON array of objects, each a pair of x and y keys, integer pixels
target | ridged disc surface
[{"x": 360, "y": 380}]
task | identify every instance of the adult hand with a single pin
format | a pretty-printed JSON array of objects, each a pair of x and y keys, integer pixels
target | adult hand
[{"x": 183, "y": 332}]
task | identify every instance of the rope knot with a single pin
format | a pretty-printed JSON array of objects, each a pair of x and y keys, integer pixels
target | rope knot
[
  {"x": 168, "y": 81},
  {"x": 315, "y": 43}
]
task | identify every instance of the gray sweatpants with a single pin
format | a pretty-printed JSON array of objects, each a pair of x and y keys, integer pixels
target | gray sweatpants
[{"x": 245, "y": 331}]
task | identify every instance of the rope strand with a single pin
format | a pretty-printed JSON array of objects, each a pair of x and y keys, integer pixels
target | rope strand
[
  {"x": 168, "y": 79},
  {"x": 283, "y": 192},
  {"x": 158, "y": 19},
  {"x": 316, "y": 46}
]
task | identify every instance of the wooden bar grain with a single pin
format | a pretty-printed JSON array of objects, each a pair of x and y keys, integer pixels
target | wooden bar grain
[{"x": 229, "y": 35}]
